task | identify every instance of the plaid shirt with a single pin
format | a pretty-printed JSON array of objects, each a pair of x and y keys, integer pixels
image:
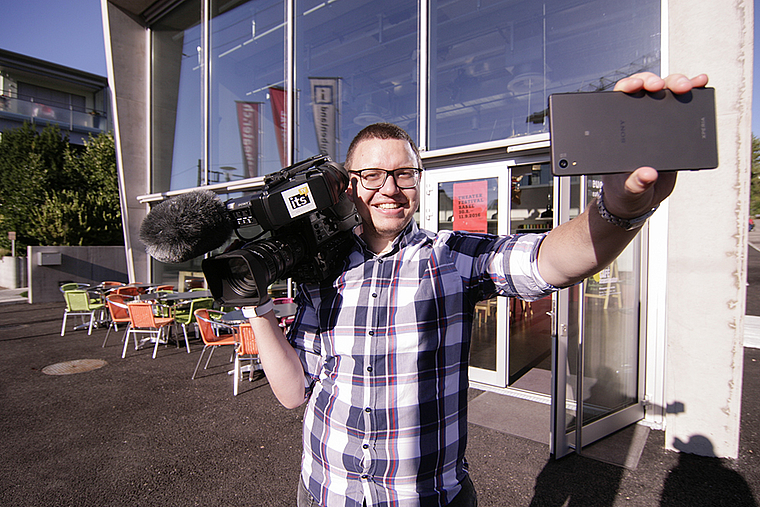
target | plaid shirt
[{"x": 385, "y": 348}]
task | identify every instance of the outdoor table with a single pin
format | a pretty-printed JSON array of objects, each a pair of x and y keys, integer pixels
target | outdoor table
[{"x": 281, "y": 311}]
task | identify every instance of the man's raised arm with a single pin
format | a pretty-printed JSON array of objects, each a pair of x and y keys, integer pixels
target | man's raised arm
[{"x": 591, "y": 241}]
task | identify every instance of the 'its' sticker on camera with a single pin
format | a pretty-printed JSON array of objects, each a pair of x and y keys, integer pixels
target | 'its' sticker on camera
[{"x": 299, "y": 200}]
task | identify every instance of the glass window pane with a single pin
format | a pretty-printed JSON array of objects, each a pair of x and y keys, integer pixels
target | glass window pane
[
  {"x": 495, "y": 62},
  {"x": 247, "y": 61},
  {"x": 611, "y": 323},
  {"x": 176, "y": 99},
  {"x": 371, "y": 49}
]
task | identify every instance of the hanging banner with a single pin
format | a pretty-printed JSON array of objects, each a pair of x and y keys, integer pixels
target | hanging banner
[
  {"x": 280, "y": 117},
  {"x": 471, "y": 206},
  {"x": 248, "y": 123},
  {"x": 324, "y": 102}
]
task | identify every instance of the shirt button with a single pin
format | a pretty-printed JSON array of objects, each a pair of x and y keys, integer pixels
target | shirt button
[
  {"x": 374, "y": 294},
  {"x": 365, "y": 476},
  {"x": 379, "y": 261},
  {"x": 368, "y": 409},
  {"x": 371, "y": 333},
  {"x": 369, "y": 368}
]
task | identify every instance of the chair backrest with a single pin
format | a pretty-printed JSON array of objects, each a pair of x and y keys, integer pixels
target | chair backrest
[
  {"x": 72, "y": 286},
  {"x": 117, "y": 306},
  {"x": 111, "y": 284},
  {"x": 282, "y": 301},
  {"x": 206, "y": 325},
  {"x": 141, "y": 314},
  {"x": 77, "y": 300},
  {"x": 199, "y": 303},
  {"x": 128, "y": 290},
  {"x": 164, "y": 288},
  {"x": 247, "y": 340}
]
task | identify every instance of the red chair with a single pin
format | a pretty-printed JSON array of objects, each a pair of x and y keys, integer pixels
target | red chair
[
  {"x": 117, "y": 307},
  {"x": 246, "y": 348},
  {"x": 143, "y": 319},
  {"x": 127, "y": 290},
  {"x": 212, "y": 334}
]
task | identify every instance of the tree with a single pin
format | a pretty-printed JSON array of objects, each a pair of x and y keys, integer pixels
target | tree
[
  {"x": 53, "y": 193},
  {"x": 754, "y": 201}
]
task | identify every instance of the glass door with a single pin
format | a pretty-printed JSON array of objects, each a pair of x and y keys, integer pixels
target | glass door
[
  {"x": 473, "y": 198},
  {"x": 599, "y": 351}
]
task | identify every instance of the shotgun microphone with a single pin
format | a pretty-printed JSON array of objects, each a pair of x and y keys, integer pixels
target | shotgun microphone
[{"x": 186, "y": 226}]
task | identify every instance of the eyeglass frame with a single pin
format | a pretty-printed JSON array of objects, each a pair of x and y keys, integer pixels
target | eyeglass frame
[{"x": 387, "y": 172}]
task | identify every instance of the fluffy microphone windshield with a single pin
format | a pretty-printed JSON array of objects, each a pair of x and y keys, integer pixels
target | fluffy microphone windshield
[{"x": 186, "y": 226}]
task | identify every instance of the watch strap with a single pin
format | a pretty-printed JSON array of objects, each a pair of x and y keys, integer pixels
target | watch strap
[
  {"x": 628, "y": 224},
  {"x": 250, "y": 312}
]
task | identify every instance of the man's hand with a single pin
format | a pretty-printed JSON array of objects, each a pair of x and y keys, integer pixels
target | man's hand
[
  {"x": 588, "y": 243},
  {"x": 633, "y": 194}
]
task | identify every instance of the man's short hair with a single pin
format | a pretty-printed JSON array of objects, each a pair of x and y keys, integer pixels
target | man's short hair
[{"x": 381, "y": 131}]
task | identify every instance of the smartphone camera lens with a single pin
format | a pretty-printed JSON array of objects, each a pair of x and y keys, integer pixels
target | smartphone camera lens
[{"x": 563, "y": 163}]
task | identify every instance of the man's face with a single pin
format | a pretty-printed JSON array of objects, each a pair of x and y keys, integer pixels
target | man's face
[{"x": 388, "y": 210}]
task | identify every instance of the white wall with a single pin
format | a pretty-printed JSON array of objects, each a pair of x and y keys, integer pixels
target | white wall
[{"x": 707, "y": 234}]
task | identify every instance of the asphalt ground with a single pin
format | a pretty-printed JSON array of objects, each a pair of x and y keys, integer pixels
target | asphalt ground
[{"x": 139, "y": 432}]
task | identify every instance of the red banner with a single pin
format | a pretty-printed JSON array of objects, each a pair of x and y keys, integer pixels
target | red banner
[
  {"x": 471, "y": 206},
  {"x": 248, "y": 123},
  {"x": 280, "y": 116}
]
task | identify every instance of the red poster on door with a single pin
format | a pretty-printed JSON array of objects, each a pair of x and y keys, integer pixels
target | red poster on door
[
  {"x": 471, "y": 206},
  {"x": 280, "y": 117}
]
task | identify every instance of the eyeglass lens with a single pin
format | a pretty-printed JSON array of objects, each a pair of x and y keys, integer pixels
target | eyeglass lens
[{"x": 373, "y": 179}]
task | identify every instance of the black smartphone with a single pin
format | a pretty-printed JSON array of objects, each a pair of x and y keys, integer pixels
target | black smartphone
[{"x": 612, "y": 132}]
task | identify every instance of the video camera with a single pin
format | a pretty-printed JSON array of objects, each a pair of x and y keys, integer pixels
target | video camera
[{"x": 310, "y": 219}]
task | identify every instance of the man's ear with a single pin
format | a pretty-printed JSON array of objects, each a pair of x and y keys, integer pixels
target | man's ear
[{"x": 351, "y": 189}]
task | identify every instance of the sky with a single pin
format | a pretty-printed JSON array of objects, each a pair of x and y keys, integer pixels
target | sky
[{"x": 70, "y": 33}]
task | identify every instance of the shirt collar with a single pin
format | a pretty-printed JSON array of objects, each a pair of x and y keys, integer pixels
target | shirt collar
[{"x": 403, "y": 239}]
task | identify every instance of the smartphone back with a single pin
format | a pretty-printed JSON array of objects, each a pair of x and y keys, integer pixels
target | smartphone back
[{"x": 609, "y": 132}]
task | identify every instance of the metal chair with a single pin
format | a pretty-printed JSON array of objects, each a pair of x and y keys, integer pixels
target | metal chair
[
  {"x": 186, "y": 316},
  {"x": 246, "y": 348},
  {"x": 78, "y": 302},
  {"x": 117, "y": 307},
  {"x": 143, "y": 320},
  {"x": 212, "y": 333}
]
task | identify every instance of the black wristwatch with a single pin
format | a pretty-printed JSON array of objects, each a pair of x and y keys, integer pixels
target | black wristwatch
[{"x": 628, "y": 224}]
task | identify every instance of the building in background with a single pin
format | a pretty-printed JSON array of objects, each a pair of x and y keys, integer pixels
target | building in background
[
  {"x": 218, "y": 93},
  {"x": 40, "y": 93}
]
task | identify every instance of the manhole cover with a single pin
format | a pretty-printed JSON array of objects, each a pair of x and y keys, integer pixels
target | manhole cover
[{"x": 76, "y": 366}]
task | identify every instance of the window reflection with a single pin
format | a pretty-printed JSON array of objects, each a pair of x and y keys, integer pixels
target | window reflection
[
  {"x": 371, "y": 47},
  {"x": 247, "y": 76},
  {"x": 494, "y": 63},
  {"x": 176, "y": 99}
]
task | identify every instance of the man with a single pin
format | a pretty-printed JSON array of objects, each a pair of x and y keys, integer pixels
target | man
[{"x": 384, "y": 346}]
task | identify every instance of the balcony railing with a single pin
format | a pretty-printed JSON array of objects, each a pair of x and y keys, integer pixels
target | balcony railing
[{"x": 38, "y": 112}]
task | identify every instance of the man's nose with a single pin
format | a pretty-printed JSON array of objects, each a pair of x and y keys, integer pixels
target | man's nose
[{"x": 389, "y": 187}]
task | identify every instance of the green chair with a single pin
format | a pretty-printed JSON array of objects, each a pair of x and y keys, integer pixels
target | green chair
[
  {"x": 185, "y": 315},
  {"x": 78, "y": 302}
]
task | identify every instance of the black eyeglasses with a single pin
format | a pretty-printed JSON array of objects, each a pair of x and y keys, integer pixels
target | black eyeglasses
[{"x": 374, "y": 179}]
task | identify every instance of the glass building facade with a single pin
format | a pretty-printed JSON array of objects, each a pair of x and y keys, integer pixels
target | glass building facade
[{"x": 242, "y": 88}]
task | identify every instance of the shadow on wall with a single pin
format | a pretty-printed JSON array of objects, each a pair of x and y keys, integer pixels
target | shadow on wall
[{"x": 50, "y": 266}]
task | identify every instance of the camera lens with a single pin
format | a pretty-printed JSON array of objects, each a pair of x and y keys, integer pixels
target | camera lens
[
  {"x": 242, "y": 276},
  {"x": 563, "y": 163}
]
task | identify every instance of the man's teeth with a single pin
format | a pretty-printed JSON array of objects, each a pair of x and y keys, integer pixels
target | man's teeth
[{"x": 388, "y": 206}]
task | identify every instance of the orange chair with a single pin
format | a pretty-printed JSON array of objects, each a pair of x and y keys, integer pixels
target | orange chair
[
  {"x": 212, "y": 334},
  {"x": 117, "y": 307},
  {"x": 246, "y": 348},
  {"x": 128, "y": 290},
  {"x": 144, "y": 320}
]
